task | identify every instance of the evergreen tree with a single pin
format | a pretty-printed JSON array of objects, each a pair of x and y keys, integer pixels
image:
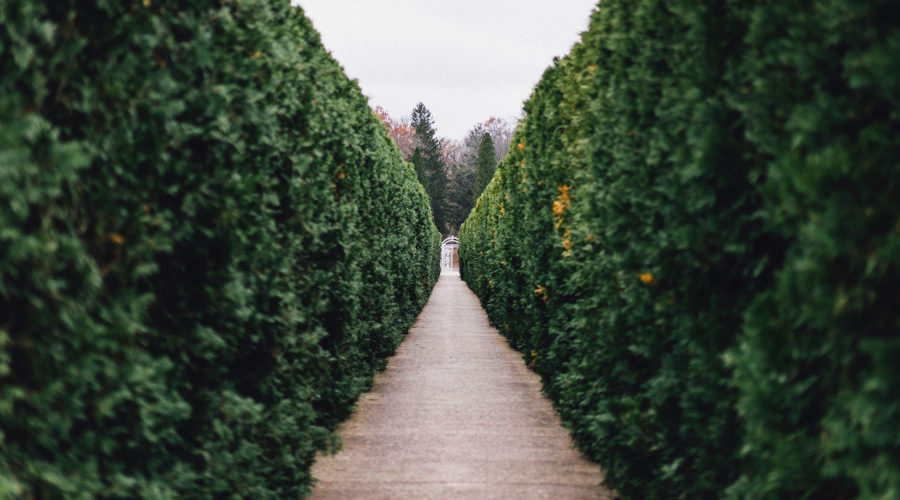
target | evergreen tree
[
  {"x": 460, "y": 195},
  {"x": 427, "y": 161},
  {"x": 418, "y": 161},
  {"x": 471, "y": 144},
  {"x": 485, "y": 164}
]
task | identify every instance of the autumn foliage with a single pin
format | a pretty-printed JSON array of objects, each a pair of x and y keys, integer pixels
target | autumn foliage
[{"x": 400, "y": 131}]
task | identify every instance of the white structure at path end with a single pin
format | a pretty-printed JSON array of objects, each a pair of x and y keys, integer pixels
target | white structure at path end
[{"x": 448, "y": 247}]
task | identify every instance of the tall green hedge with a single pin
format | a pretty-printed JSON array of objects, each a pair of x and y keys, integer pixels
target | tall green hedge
[
  {"x": 695, "y": 241},
  {"x": 208, "y": 245}
]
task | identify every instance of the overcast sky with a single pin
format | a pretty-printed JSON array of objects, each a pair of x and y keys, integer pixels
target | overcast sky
[{"x": 467, "y": 60}]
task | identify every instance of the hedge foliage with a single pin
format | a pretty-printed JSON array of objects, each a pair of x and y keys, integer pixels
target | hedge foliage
[
  {"x": 695, "y": 241},
  {"x": 208, "y": 245}
]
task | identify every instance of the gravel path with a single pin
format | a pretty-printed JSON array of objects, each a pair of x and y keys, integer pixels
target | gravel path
[{"x": 455, "y": 415}]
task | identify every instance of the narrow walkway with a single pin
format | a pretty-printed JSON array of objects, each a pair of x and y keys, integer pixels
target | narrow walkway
[{"x": 455, "y": 415}]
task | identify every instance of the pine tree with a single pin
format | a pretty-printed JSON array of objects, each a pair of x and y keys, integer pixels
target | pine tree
[
  {"x": 428, "y": 163},
  {"x": 471, "y": 144},
  {"x": 485, "y": 164},
  {"x": 460, "y": 195},
  {"x": 418, "y": 161}
]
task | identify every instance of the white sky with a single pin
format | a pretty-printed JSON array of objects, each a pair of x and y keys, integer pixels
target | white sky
[{"x": 467, "y": 60}]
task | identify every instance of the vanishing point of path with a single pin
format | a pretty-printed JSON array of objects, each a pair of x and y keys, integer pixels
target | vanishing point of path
[{"x": 455, "y": 415}]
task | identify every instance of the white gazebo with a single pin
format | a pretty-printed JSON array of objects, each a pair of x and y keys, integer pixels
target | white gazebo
[{"x": 448, "y": 253}]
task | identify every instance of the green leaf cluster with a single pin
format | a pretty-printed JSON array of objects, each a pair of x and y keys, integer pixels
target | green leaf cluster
[
  {"x": 694, "y": 239},
  {"x": 208, "y": 246}
]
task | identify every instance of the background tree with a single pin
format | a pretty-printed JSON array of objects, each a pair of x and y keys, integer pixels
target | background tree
[
  {"x": 449, "y": 180},
  {"x": 428, "y": 164},
  {"x": 461, "y": 159},
  {"x": 451, "y": 154},
  {"x": 401, "y": 131},
  {"x": 418, "y": 161},
  {"x": 471, "y": 143},
  {"x": 460, "y": 196},
  {"x": 485, "y": 164},
  {"x": 501, "y": 133}
]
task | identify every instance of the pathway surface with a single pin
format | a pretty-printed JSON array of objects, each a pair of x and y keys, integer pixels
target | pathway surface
[{"x": 455, "y": 415}]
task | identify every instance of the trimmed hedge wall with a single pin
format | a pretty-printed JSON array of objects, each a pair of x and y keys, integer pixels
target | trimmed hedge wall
[
  {"x": 208, "y": 245},
  {"x": 695, "y": 241}
]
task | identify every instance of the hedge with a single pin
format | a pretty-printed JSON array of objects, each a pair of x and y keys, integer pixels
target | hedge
[
  {"x": 208, "y": 246},
  {"x": 695, "y": 241}
]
